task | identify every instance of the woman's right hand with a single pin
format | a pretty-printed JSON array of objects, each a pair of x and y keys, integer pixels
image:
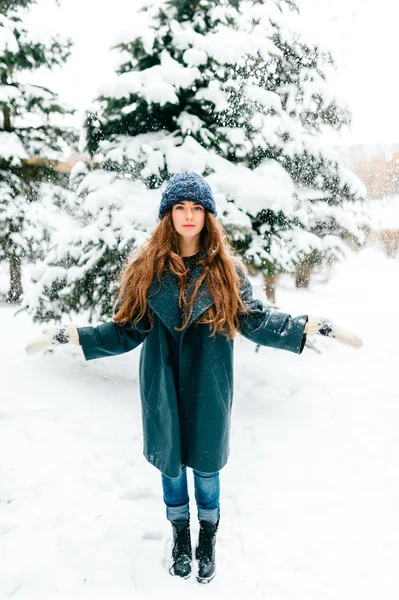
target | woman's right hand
[
  {"x": 326, "y": 327},
  {"x": 65, "y": 334}
]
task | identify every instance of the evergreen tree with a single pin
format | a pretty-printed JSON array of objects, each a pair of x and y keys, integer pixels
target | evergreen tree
[
  {"x": 30, "y": 144},
  {"x": 240, "y": 80},
  {"x": 80, "y": 272},
  {"x": 229, "y": 89}
]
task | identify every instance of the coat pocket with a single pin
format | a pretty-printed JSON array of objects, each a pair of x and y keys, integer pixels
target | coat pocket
[
  {"x": 222, "y": 385},
  {"x": 151, "y": 393}
]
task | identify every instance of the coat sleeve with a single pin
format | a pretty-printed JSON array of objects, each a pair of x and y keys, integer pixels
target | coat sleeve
[
  {"x": 110, "y": 339},
  {"x": 270, "y": 327}
]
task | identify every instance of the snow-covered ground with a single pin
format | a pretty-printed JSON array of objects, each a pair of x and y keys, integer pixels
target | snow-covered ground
[{"x": 310, "y": 496}]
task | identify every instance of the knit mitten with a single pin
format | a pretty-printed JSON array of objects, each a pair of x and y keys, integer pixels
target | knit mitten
[
  {"x": 66, "y": 334},
  {"x": 326, "y": 327}
]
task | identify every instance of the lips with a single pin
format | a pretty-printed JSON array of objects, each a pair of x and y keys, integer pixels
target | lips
[{"x": 188, "y": 225}]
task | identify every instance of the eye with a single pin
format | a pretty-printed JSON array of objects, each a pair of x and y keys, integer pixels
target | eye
[{"x": 198, "y": 207}]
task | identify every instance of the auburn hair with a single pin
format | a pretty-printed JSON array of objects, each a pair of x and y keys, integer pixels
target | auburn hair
[{"x": 161, "y": 251}]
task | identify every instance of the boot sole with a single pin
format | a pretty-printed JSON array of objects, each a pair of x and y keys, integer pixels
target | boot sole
[{"x": 205, "y": 579}]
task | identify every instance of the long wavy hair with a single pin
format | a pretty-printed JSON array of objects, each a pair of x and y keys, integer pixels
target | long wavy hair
[{"x": 162, "y": 251}]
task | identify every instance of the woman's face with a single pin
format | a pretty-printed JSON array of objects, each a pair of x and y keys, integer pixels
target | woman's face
[{"x": 188, "y": 218}]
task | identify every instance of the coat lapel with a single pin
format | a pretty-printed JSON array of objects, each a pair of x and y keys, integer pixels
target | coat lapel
[
  {"x": 164, "y": 301},
  {"x": 203, "y": 300}
]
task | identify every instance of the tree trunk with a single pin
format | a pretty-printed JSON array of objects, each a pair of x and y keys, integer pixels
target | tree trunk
[
  {"x": 6, "y": 110},
  {"x": 6, "y": 119},
  {"x": 390, "y": 241},
  {"x": 15, "y": 291},
  {"x": 303, "y": 272},
  {"x": 270, "y": 285}
]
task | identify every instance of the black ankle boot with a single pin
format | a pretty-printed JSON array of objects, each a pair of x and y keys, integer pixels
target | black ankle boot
[
  {"x": 181, "y": 553},
  {"x": 205, "y": 551}
]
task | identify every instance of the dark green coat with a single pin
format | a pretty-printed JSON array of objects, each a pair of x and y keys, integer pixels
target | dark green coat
[{"x": 186, "y": 379}]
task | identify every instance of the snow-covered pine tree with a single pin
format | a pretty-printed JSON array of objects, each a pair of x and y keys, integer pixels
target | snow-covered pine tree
[
  {"x": 231, "y": 90},
  {"x": 30, "y": 144},
  {"x": 329, "y": 199},
  {"x": 240, "y": 79},
  {"x": 80, "y": 272}
]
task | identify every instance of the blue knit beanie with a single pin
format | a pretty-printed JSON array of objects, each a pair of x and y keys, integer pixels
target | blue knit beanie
[{"x": 187, "y": 185}]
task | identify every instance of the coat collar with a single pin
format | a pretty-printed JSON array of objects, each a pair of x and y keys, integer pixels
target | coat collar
[{"x": 164, "y": 301}]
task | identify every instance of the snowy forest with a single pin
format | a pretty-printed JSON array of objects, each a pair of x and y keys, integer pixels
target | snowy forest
[
  {"x": 243, "y": 92},
  {"x": 231, "y": 90}
]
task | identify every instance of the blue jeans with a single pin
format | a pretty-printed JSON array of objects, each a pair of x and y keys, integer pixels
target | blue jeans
[{"x": 207, "y": 496}]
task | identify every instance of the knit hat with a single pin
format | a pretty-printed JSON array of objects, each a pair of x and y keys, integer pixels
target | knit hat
[{"x": 187, "y": 185}]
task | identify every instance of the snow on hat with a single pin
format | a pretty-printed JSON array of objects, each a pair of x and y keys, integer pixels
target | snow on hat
[{"x": 187, "y": 185}]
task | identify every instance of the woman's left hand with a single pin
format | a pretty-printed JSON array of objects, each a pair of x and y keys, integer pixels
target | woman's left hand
[
  {"x": 66, "y": 334},
  {"x": 326, "y": 327}
]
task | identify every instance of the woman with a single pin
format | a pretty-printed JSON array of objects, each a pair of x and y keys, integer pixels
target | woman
[{"x": 184, "y": 297}]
